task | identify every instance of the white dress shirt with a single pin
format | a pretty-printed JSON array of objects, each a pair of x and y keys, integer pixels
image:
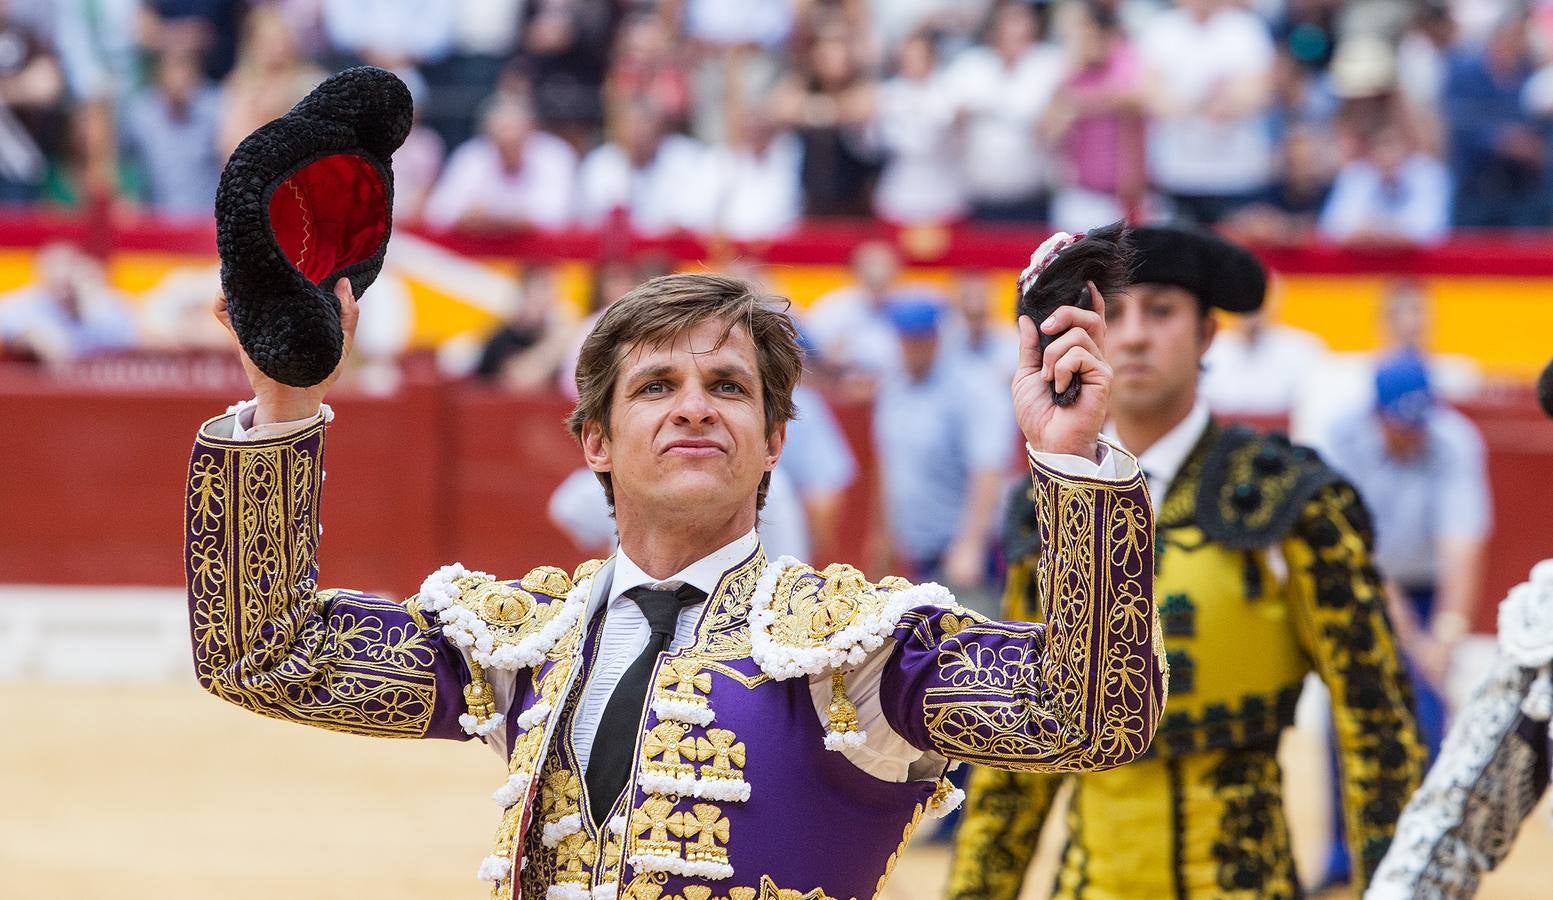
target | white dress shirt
[
  {"x": 1162, "y": 462},
  {"x": 884, "y": 754}
]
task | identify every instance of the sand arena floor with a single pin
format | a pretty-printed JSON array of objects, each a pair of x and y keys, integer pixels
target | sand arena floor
[{"x": 161, "y": 792}]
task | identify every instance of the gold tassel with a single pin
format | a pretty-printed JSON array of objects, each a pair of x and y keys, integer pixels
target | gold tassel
[
  {"x": 478, "y": 695},
  {"x": 843, "y": 713}
]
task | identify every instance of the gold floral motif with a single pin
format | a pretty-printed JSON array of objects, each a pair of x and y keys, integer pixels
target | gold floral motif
[
  {"x": 502, "y": 604},
  {"x": 683, "y": 679},
  {"x": 649, "y": 886},
  {"x": 723, "y": 633},
  {"x": 547, "y": 580},
  {"x": 663, "y": 749},
  {"x": 811, "y": 607},
  {"x": 574, "y": 858},
  {"x": 708, "y": 827},
  {"x": 1000, "y": 700},
  {"x": 720, "y": 751},
  {"x": 560, "y": 795},
  {"x": 264, "y": 637},
  {"x": 585, "y": 569},
  {"x": 652, "y": 820}
]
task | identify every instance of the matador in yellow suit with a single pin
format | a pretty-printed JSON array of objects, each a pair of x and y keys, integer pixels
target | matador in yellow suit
[{"x": 1264, "y": 575}]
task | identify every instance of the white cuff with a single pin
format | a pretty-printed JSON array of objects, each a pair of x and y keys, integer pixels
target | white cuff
[
  {"x": 243, "y": 428},
  {"x": 1115, "y": 463}
]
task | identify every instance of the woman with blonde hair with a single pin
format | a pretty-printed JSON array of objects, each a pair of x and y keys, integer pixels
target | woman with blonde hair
[{"x": 271, "y": 75}]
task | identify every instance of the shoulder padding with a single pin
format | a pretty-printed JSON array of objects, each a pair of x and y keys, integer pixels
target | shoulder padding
[
  {"x": 1254, "y": 487},
  {"x": 807, "y": 622},
  {"x": 504, "y": 624}
]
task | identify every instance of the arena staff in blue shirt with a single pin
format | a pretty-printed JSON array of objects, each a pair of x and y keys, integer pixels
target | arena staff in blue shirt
[
  {"x": 945, "y": 441},
  {"x": 1420, "y": 467}
]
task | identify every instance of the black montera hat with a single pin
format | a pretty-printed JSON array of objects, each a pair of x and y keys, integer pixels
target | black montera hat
[
  {"x": 1215, "y": 271},
  {"x": 304, "y": 201}
]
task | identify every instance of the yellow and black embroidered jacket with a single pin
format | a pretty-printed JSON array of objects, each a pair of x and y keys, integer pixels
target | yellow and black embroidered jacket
[{"x": 1265, "y": 574}]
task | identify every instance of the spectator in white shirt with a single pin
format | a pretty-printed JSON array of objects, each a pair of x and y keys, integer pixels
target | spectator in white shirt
[
  {"x": 643, "y": 173},
  {"x": 755, "y": 189},
  {"x": 1260, "y": 367},
  {"x": 390, "y": 33},
  {"x": 1000, "y": 93},
  {"x": 509, "y": 176},
  {"x": 1210, "y": 74},
  {"x": 1390, "y": 195},
  {"x": 921, "y": 179}
]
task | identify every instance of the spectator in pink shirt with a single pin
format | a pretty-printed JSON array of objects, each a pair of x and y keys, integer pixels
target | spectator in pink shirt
[{"x": 1095, "y": 122}]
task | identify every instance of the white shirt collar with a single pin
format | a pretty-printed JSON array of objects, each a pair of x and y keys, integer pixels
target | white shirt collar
[
  {"x": 704, "y": 573},
  {"x": 1162, "y": 461}
]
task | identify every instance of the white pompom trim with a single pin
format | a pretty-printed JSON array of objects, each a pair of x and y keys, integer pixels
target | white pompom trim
[
  {"x": 534, "y": 715},
  {"x": 471, "y": 725},
  {"x": 558, "y": 831},
  {"x": 950, "y": 803},
  {"x": 515, "y": 789},
  {"x": 724, "y": 789},
  {"x": 843, "y": 740},
  {"x": 1538, "y": 702},
  {"x": 609, "y": 890},
  {"x": 644, "y": 862},
  {"x": 617, "y": 825},
  {"x": 682, "y": 711},
  {"x": 439, "y": 593},
  {"x": 567, "y": 892},
  {"x": 848, "y": 647},
  {"x": 495, "y": 868}
]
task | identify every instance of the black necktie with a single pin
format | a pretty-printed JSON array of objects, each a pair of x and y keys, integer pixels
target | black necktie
[{"x": 610, "y": 763}]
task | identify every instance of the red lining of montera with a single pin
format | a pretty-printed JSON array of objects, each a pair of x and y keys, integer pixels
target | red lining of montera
[{"x": 331, "y": 214}]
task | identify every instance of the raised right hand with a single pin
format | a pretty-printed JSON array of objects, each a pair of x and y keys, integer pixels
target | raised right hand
[{"x": 281, "y": 402}]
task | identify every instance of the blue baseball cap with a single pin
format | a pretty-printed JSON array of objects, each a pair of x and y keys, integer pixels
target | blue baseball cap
[
  {"x": 1402, "y": 392},
  {"x": 914, "y": 316}
]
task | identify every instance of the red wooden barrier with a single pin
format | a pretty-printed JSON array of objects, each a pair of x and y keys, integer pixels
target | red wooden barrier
[{"x": 92, "y": 481}]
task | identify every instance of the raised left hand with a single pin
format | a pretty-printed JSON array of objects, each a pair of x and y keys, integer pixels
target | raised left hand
[{"x": 1074, "y": 354}]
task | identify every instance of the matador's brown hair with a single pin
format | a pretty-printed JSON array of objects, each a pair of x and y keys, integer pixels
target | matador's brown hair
[{"x": 658, "y": 312}]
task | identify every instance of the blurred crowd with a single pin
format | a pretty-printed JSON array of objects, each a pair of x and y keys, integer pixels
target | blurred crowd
[{"x": 1372, "y": 121}]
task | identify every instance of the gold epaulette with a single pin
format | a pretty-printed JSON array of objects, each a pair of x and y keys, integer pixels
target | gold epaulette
[{"x": 807, "y": 622}]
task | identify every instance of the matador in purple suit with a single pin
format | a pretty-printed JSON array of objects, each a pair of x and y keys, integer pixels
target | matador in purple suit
[{"x": 689, "y": 719}]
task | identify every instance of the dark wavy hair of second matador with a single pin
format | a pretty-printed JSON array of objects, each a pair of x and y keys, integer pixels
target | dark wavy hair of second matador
[
  {"x": 304, "y": 201},
  {"x": 1103, "y": 256}
]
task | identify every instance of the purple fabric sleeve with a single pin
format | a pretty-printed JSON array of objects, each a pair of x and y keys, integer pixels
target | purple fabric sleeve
[
  {"x": 264, "y": 636},
  {"x": 1080, "y": 694}
]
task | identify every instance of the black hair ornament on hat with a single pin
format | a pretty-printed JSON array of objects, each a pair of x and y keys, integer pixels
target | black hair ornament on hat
[
  {"x": 1215, "y": 271},
  {"x": 304, "y": 201}
]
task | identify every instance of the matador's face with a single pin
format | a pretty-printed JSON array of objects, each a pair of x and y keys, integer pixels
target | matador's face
[{"x": 688, "y": 426}]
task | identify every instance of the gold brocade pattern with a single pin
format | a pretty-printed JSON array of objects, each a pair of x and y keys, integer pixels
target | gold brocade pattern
[
  {"x": 264, "y": 637},
  {"x": 559, "y": 796},
  {"x": 810, "y": 610},
  {"x": 723, "y": 633},
  {"x": 650, "y": 887},
  {"x": 1204, "y": 809},
  {"x": 1081, "y": 710}
]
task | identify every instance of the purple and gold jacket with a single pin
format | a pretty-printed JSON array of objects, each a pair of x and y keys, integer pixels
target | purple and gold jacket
[{"x": 740, "y": 791}]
